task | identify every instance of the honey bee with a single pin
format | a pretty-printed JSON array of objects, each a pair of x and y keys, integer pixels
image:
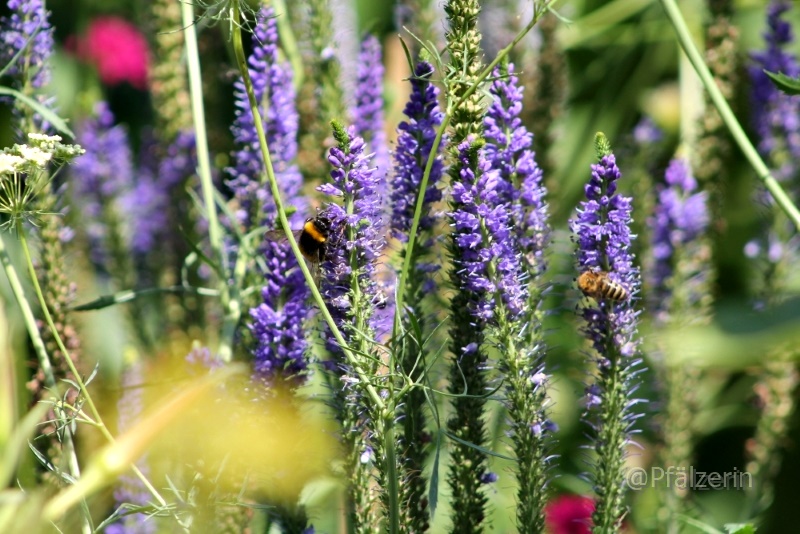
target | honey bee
[{"x": 598, "y": 285}]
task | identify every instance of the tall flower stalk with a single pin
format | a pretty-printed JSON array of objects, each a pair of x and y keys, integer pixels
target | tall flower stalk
[
  {"x": 414, "y": 146},
  {"x": 468, "y": 372},
  {"x": 518, "y": 330},
  {"x": 349, "y": 289},
  {"x": 601, "y": 230},
  {"x": 277, "y": 323}
]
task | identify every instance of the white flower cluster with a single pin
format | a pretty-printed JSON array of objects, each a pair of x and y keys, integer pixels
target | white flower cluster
[
  {"x": 24, "y": 174},
  {"x": 35, "y": 156}
]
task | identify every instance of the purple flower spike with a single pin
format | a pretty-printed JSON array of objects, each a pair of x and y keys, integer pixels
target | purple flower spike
[
  {"x": 272, "y": 84},
  {"x": 279, "y": 322},
  {"x": 414, "y": 144},
  {"x": 28, "y": 18},
  {"x": 482, "y": 234},
  {"x": 356, "y": 239},
  {"x": 508, "y": 148},
  {"x": 148, "y": 202},
  {"x": 679, "y": 218},
  {"x": 776, "y": 116}
]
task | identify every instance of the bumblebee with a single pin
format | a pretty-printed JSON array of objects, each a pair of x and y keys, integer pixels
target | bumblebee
[
  {"x": 311, "y": 239},
  {"x": 598, "y": 285}
]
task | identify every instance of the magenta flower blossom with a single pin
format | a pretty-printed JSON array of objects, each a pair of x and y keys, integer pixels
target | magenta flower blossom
[
  {"x": 569, "y": 514},
  {"x": 118, "y": 50}
]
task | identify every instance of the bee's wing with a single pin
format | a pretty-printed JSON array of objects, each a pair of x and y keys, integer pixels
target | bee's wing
[{"x": 280, "y": 236}]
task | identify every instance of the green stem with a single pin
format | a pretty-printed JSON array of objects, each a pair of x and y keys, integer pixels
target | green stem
[
  {"x": 286, "y": 34},
  {"x": 284, "y": 221},
  {"x": 228, "y": 296},
  {"x": 737, "y": 132},
  {"x": 78, "y": 378},
  {"x": 393, "y": 484},
  {"x": 28, "y": 317}
]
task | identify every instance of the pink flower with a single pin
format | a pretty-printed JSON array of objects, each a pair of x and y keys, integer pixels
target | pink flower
[
  {"x": 569, "y": 514},
  {"x": 117, "y": 49}
]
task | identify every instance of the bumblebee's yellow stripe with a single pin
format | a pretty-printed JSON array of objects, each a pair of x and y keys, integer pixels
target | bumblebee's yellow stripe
[{"x": 311, "y": 229}]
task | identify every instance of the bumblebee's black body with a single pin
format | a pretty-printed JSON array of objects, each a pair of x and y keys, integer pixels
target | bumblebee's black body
[{"x": 313, "y": 237}]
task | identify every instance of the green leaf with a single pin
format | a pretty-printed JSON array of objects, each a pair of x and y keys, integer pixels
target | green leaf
[
  {"x": 47, "y": 114},
  {"x": 740, "y": 528},
  {"x": 790, "y": 86}
]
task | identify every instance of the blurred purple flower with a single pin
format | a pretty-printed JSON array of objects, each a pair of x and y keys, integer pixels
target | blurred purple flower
[
  {"x": 481, "y": 229},
  {"x": 28, "y": 21},
  {"x": 776, "y": 116},
  {"x": 680, "y": 217},
  {"x": 368, "y": 111},
  {"x": 101, "y": 176},
  {"x": 508, "y": 149},
  {"x": 130, "y": 489},
  {"x": 147, "y": 203},
  {"x": 647, "y": 132}
]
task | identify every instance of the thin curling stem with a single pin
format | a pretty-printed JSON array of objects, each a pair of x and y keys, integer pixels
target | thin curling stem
[
  {"x": 749, "y": 151},
  {"x": 78, "y": 378},
  {"x": 241, "y": 62}
]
